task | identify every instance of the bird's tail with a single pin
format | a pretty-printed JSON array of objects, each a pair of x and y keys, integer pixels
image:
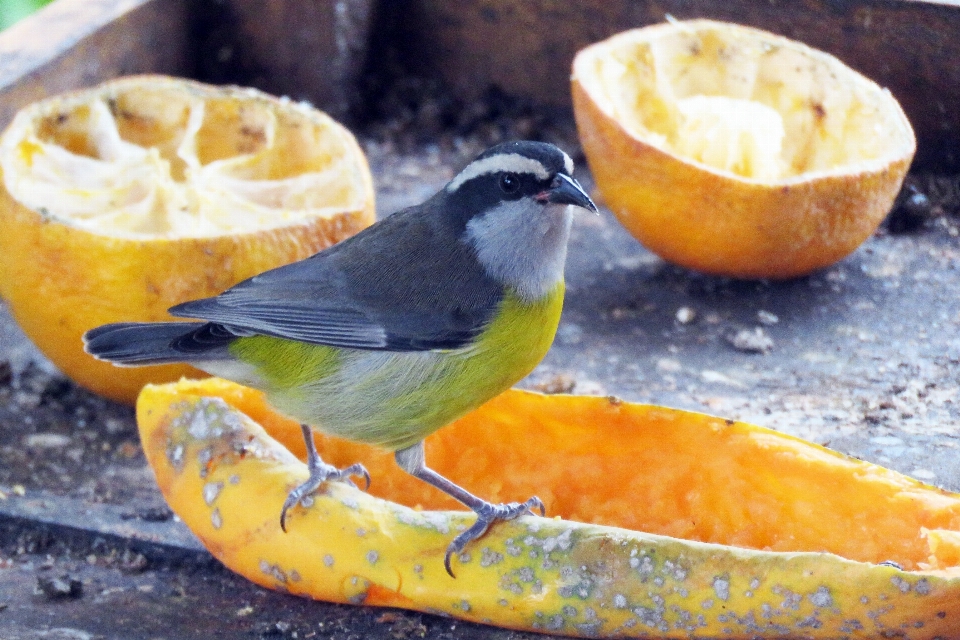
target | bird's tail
[{"x": 143, "y": 343}]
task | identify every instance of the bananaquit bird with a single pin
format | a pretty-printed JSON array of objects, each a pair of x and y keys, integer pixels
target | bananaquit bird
[{"x": 395, "y": 332}]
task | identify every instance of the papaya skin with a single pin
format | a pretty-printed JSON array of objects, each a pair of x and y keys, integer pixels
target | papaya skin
[{"x": 226, "y": 477}]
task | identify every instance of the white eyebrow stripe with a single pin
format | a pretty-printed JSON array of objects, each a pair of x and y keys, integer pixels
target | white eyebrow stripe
[
  {"x": 568, "y": 165},
  {"x": 512, "y": 162}
]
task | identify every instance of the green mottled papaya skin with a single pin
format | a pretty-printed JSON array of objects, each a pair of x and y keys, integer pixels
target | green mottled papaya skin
[{"x": 227, "y": 478}]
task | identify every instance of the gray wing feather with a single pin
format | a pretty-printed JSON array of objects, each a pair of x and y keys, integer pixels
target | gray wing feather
[{"x": 407, "y": 283}]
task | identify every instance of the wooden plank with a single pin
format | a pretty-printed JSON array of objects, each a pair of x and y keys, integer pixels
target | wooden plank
[
  {"x": 308, "y": 49},
  {"x": 78, "y": 43},
  {"x": 82, "y": 524},
  {"x": 525, "y": 47}
]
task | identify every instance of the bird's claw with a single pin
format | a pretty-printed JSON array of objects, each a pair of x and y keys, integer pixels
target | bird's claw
[
  {"x": 318, "y": 475},
  {"x": 355, "y": 469},
  {"x": 487, "y": 514}
]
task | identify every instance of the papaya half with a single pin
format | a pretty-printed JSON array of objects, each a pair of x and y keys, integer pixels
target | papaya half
[{"x": 664, "y": 523}]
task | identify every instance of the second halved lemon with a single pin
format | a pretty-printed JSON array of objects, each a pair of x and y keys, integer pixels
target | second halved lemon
[
  {"x": 120, "y": 201},
  {"x": 738, "y": 152}
]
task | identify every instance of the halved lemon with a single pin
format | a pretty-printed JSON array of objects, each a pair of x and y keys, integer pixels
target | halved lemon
[
  {"x": 120, "y": 201},
  {"x": 735, "y": 151}
]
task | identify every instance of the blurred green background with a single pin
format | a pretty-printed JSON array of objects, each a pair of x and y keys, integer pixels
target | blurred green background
[{"x": 13, "y": 10}]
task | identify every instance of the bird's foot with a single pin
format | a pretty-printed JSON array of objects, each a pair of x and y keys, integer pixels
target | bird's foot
[
  {"x": 321, "y": 472},
  {"x": 487, "y": 514}
]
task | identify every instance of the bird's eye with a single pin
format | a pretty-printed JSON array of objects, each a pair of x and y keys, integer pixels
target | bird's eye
[{"x": 509, "y": 183}]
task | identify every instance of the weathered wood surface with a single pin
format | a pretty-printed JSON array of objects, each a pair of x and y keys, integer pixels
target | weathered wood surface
[
  {"x": 309, "y": 50},
  {"x": 316, "y": 49},
  {"x": 78, "y": 43},
  {"x": 525, "y": 47}
]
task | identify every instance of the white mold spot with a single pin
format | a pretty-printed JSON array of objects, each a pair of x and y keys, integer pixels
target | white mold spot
[
  {"x": 721, "y": 587},
  {"x": 432, "y": 520},
  {"x": 372, "y": 556},
  {"x": 198, "y": 427},
  {"x": 674, "y": 570},
  {"x": 216, "y": 519},
  {"x": 900, "y": 584},
  {"x": 810, "y": 622},
  {"x": 210, "y": 492},
  {"x": 175, "y": 456},
  {"x": 643, "y": 565},
  {"x": 821, "y": 598},
  {"x": 489, "y": 557},
  {"x": 232, "y": 422},
  {"x": 851, "y": 626},
  {"x": 274, "y": 571},
  {"x": 328, "y": 560}
]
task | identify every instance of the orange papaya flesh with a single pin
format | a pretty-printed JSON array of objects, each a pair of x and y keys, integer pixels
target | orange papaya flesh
[{"x": 746, "y": 532}]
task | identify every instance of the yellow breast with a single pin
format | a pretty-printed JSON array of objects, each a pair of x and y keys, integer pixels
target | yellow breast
[{"x": 395, "y": 399}]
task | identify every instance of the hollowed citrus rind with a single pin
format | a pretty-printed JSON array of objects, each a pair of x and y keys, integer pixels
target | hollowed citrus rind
[
  {"x": 738, "y": 152},
  {"x": 149, "y": 157},
  {"x": 122, "y": 200},
  {"x": 226, "y": 478}
]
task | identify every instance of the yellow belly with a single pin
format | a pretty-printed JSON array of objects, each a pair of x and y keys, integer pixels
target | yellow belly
[{"x": 395, "y": 399}]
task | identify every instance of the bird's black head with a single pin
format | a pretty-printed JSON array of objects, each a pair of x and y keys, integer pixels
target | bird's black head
[
  {"x": 512, "y": 205},
  {"x": 513, "y": 171}
]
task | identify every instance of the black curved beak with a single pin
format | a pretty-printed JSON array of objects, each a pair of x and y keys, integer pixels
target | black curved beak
[{"x": 566, "y": 190}]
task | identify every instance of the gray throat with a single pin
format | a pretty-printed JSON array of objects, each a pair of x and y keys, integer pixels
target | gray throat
[{"x": 523, "y": 245}]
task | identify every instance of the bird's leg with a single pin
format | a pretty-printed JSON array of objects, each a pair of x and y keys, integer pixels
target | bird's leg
[
  {"x": 320, "y": 472},
  {"x": 413, "y": 462}
]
